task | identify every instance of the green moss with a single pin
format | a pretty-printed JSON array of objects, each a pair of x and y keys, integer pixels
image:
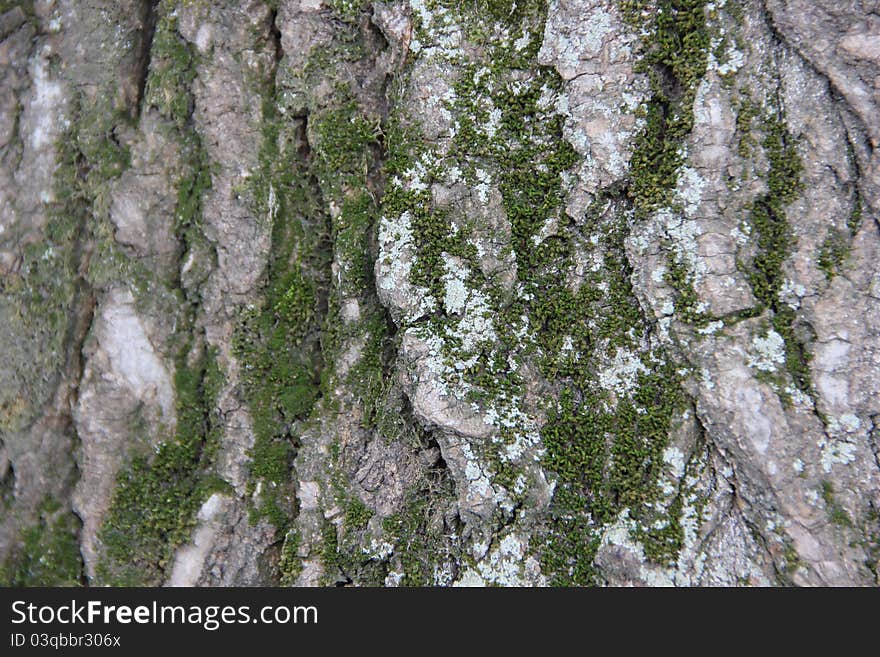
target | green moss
[
  {"x": 871, "y": 542},
  {"x": 607, "y": 453},
  {"x": 346, "y": 141},
  {"x": 368, "y": 378},
  {"x": 357, "y": 514},
  {"x": 854, "y": 221},
  {"x": 675, "y": 46},
  {"x": 291, "y": 565},
  {"x": 316, "y": 189},
  {"x": 664, "y": 541},
  {"x": 605, "y": 462},
  {"x": 678, "y": 277},
  {"x": 509, "y": 12},
  {"x": 352, "y": 233},
  {"x": 418, "y": 541},
  {"x": 837, "y": 245},
  {"x": 774, "y": 243},
  {"x": 191, "y": 189},
  {"x": 771, "y": 228},
  {"x": 343, "y": 138},
  {"x": 329, "y": 548},
  {"x": 833, "y": 252},
  {"x": 604, "y": 451},
  {"x": 675, "y": 57},
  {"x": 349, "y": 10},
  {"x": 90, "y": 158},
  {"x": 153, "y": 509},
  {"x": 172, "y": 70},
  {"x": 41, "y": 298},
  {"x": 836, "y": 513},
  {"x": 47, "y": 553},
  {"x": 286, "y": 341},
  {"x": 277, "y": 341},
  {"x": 746, "y": 113},
  {"x": 791, "y": 560}
]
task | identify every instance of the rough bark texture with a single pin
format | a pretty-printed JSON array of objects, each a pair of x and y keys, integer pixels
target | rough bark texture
[{"x": 440, "y": 293}]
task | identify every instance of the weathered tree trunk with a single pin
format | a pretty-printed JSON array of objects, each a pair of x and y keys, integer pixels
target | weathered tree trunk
[{"x": 435, "y": 293}]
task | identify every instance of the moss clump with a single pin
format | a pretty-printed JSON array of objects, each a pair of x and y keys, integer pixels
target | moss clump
[
  {"x": 772, "y": 231},
  {"x": 675, "y": 46},
  {"x": 153, "y": 508},
  {"x": 290, "y": 565},
  {"x": 367, "y": 377},
  {"x": 352, "y": 232},
  {"x": 663, "y": 542},
  {"x": 833, "y": 252},
  {"x": 173, "y": 64},
  {"x": 49, "y": 551},
  {"x": 43, "y": 297},
  {"x": 774, "y": 243},
  {"x": 836, "y": 513},
  {"x": 854, "y": 222},
  {"x": 348, "y": 10},
  {"x": 277, "y": 341},
  {"x": 687, "y": 301},
  {"x": 509, "y": 12},
  {"x": 604, "y": 449},
  {"x": 417, "y": 536},
  {"x": 791, "y": 560},
  {"x": 746, "y": 113},
  {"x": 172, "y": 70},
  {"x": 605, "y": 462},
  {"x": 837, "y": 245},
  {"x": 329, "y": 548},
  {"x": 281, "y": 383},
  {"x": 675, "y": 57},
  {"x": 357, "y": 514},
  {"x": 346, "y": 151},
  {"x": 871, "y": 542},
  {"x": 343, "y": 138}
]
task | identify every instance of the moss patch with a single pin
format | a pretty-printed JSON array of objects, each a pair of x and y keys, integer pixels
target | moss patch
[
  {"x": 675, "y": 47},
  {"x": 417, "y": 536},
  {"x": 172, "y": 70},
  {"x": 833, "y": 253},
  {"x": 49, "y": 551},
  {"x": 603, "y": 448},
  {"x": 774, "y": 243},
  {"x": 154, "y": 506},
  {"x": 290, "y": 566},
  {"x": 836, "y": 513}
]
